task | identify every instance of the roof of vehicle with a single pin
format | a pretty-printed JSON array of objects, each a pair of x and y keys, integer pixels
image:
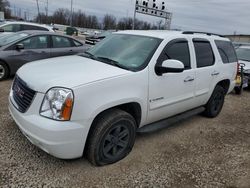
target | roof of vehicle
[
  {"x": 28, "y": 23},
  {"x": 37, "y": 32},
  {"x": 166, "y": 33}
]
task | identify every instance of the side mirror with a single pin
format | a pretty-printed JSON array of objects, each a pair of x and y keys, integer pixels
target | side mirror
[
  {"x": 19, "y": 46},
  {"x": 1, "y": 30},
  {"x": 169, "y": 66}
]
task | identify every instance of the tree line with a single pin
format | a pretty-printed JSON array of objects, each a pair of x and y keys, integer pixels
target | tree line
[{"x": 81, "y": 19}]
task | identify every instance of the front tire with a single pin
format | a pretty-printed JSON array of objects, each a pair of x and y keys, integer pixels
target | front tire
[
  {"x": 4, "y": 71},
  {"x": 215, "y": 103},
  {"x": 112, "y": 137}
]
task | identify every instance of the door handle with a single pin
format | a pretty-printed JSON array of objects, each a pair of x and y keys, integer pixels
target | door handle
[
  {"x": 215, "y": 73},
  {"x": 189, "y": 79}
]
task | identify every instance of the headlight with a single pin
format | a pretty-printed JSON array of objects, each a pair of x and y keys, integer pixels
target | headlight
[{"x": 57, "y": 104}]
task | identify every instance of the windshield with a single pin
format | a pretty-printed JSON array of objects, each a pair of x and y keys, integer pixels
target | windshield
[
  {"x": 128, "y": 51},
  {"x": 243, "y": 54},
  {"x": 7, "y": 39}
]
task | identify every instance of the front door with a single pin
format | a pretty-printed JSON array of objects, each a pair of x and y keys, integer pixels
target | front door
[
  {"x": 35, "y": 48},
  {"x": 172, "y": 93}
]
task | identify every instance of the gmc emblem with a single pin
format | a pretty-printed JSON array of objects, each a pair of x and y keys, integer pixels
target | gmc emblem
[{"x": 18, "y": 91}]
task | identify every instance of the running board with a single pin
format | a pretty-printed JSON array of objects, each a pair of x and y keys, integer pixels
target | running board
[{"x": 169, "y": 121}]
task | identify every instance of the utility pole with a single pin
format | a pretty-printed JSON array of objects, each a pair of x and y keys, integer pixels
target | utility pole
[
  {"x": 39, "y": 20},
  {"x": 133, "y": 27},
  {"x": 71, "y": 15},
  {"x": 47, "y": 10}
]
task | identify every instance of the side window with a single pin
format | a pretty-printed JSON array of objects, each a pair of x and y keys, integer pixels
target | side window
[
  {"x": 61, "y": 42},
  {"x": 11, "y": 28},
  {"x": 204, "y": 53},
  {"x": 226, "y": 51},
  {"x": 32, "y": 27},
  {"x": 37, "y": 42},
  {"x": 76, "y": 43},
  {"x": 178, "y": 50}
]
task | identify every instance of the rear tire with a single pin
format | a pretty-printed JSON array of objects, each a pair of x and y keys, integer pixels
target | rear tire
[
  {"x": 215, "y": 103},
  {"x": 112, "y": 137},
  {"x": 238, "y": 90},
  {"x": 4, "y": 71}
]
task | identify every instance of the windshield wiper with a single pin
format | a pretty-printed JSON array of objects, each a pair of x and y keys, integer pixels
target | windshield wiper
[
  {"x": 112, "y": 62},
  {"x": 89, "y": 55}
]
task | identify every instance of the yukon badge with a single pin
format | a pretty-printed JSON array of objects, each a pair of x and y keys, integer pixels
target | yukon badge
[{"x": 157, "y": 99}]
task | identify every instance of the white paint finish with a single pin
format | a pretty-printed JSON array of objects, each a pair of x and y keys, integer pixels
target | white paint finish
[
  {"x": 98, "y": 87},
  {"x": 69, "y": 72}
]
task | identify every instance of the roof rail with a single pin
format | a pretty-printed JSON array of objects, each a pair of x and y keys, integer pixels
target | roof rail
[{"x": 198, "y": 32}]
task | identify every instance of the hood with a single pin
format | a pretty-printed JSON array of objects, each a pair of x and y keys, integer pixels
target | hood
[
  {"x": 247, "y": 64},
  {"x": 67, "y": 71}
]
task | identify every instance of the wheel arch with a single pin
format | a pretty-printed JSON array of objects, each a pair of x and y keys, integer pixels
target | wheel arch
[
  {"x": 133, "y": 108},
  {"x": 225, "y": 84}
]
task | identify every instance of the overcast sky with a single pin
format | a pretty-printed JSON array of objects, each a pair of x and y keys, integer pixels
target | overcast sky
[{"x": 220, "y": 16}]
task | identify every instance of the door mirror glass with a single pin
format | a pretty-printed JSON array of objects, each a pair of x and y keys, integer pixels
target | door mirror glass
[
  {"x": 169, "y": 66},
  {"x": 19, "y": 46}
]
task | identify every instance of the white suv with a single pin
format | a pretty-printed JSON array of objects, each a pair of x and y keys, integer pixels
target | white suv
[{"x": 94, "y": 103}]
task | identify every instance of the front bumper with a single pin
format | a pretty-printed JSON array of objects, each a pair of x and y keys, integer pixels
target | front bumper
[{"x": 63, "y": 140}]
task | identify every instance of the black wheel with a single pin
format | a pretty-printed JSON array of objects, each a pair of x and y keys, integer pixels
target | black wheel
[
  {"x": 238, "y": 90},
  {"x": 112, "y": 137},
  {"x": 215, "y": 103},
  {"x": 4, "y": 71}
]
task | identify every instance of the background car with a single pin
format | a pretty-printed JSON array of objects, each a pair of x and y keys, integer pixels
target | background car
[
  {"x": 23, "y": 26},
  {"x": 243, "y": 53},
  {"x": 97, "y": 37},
  {"x": 19, "y": 48}
]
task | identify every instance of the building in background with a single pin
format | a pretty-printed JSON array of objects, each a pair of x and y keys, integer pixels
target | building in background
[
  {"x": 239, "y": 38},
  {"x": 2, "y": 16}
]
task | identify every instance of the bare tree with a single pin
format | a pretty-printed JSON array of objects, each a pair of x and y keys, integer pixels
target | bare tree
[
  {"x": 109, "y": 22},
  {"x": 5, "y": 7}
]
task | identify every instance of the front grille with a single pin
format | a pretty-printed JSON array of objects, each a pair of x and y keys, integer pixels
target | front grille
[{"x": 22, "y": 94}]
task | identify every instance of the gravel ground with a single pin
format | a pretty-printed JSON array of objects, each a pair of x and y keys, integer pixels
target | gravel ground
[{"x": 199, "y": 152}]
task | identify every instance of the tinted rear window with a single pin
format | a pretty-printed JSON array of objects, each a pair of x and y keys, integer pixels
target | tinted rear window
[
  {"x": 226, "y": 51},
  {"x": 204, "y": 53},
  {"x": 32, "y": 27}
]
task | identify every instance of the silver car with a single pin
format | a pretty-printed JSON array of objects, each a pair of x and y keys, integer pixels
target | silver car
[{"x": 19, "y": 48}]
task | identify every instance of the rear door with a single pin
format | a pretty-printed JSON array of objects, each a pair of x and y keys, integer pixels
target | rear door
[
  {"x": 206, "y": 70},
  {"x": 62, "y": 46},
  {"x": 228, "y": 59},
  {"x": 35, "y": 48}
]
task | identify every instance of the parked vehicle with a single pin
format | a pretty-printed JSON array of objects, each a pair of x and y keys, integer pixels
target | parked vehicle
[
  {"x": 132, "y": 81},
  {"x": 19, "y": 48},
  {"x": 239, "y": 44},
  {"x": 12, "y": 27},
  {"x": 243, "y": 53},
  {"x": 93, "y": 39}
]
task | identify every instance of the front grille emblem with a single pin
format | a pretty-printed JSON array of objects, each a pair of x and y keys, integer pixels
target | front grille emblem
[{"x": 18, "y": 91}]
